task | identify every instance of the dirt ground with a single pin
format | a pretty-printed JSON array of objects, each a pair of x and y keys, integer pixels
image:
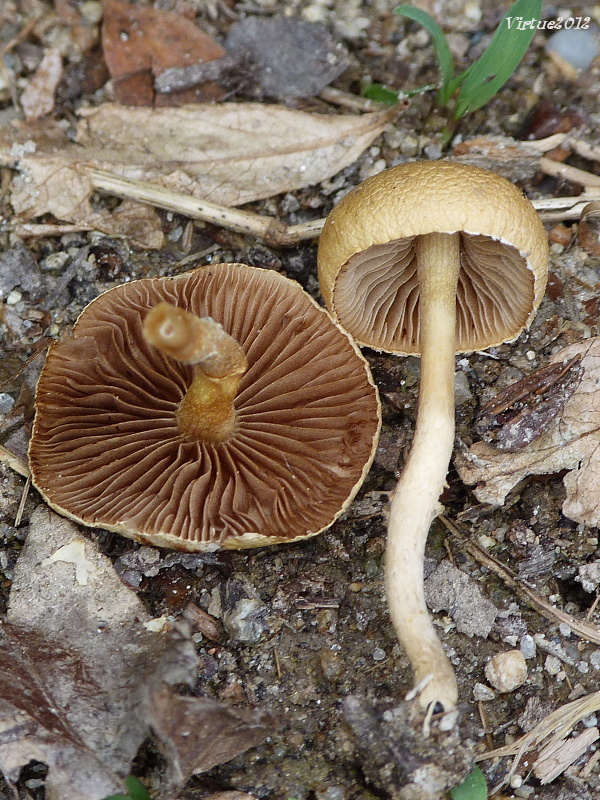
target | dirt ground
[{"x": 317, "y": 647}]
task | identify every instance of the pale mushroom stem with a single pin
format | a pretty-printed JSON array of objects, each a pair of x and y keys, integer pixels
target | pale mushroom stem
[
  {"x": 206, "y": 412},
  {"x": 415, "y": 502}
]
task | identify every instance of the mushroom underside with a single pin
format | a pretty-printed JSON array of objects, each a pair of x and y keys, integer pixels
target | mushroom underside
[
  {"x": 376, "y": 295},
  {"x": 106, "y": 449}
]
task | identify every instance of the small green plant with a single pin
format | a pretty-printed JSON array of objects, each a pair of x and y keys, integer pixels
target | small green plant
[
  {"x": 473, "y": 787},
  {"x": 135, "y": 791},
  {"x": 478, "y": 83}
]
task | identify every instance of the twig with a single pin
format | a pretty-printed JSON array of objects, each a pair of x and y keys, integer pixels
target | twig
[
  {"x": 558, "y": 209},
  {"x": 21, "y": 508},
  {"x": 579, "y": 146},
  {"x": 352, "y": 101},
  {"x": 583, "y": 629},
  {"x": 569, "y": 173},
  {"x": 269, "y": 229}
]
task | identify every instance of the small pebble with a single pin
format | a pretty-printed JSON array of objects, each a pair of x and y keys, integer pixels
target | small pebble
[
  {"x": 91, "y": 11},
  {"x": 379, "y": 654},
  {"x": 331, "y": 793},
  {"x": 331, "y": 664},
  {"x": 55, "y": 260},
  {"x": 524, "y": 791},
  {"x": 552, "y": 665},
  {"x": 448, "y": 721},
  {"x": 506, "y": 671},
  {"x": 528, "y": 647},
  {"x": 483, "y": 693},
  {"x": 13, "y": 298},
  {"x": 462, "y": 390},
  {"x": 578, "y": 47},
  {"x": 594, "y": 659}
]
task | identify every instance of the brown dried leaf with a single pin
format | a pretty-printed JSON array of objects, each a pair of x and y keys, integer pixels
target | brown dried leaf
[
  {"x": 228, "y": 154},
  {"x": 571, "y": 442},
  {"x": 197, "y": 733},
  {"x": 38, "y": 96},
  {"x": 82, "y": 678},
  {"x": 140, "y": 42}
]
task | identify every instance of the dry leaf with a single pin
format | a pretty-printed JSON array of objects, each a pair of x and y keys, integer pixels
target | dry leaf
[
  {"x": 82, "y": 678},
  {"x": 197, "y": 733},
  {"x": 228, "y": 154},
  {"x": 140, "y": 42},
  {"x": 37, "y": 98},
  {"x": 571, "y": 442}
]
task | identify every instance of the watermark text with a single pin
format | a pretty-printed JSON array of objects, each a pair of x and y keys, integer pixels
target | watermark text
[{"x": 560, "y": 23}]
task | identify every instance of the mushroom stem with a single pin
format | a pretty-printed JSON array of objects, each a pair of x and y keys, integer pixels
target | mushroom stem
[
  {"x": 415, "y": 502},
  {"x": 207, "y": 411}
]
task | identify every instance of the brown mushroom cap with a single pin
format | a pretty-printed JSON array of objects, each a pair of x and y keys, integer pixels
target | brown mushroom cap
[
  {"x": 106, "y": 450},
  {"x": 367, "y": 263}
]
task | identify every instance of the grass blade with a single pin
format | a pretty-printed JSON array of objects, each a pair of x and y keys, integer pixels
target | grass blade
[
  {"x": 375, "y": 91},
  {"x": 502, "y": 56},
  {"x": 440, "y": 44}
]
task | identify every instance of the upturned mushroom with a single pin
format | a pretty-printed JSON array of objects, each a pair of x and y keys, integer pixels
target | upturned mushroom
[
  {"x": 221, "y": 408},
  {"x": 430, "y": 259}
]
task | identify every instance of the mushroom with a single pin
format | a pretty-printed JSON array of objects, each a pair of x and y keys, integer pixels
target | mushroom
[
  {"x": 430, "y": 259},
  {"x": 221, "y": 408}
]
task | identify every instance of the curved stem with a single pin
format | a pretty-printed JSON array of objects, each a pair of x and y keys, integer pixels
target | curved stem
[{"x": 415, "y": 502}]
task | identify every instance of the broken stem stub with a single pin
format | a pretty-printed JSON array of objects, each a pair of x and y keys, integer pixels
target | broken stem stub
[{"x": 207, "y": 411}]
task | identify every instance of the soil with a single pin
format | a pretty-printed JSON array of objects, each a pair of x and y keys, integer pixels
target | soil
[{"x": 319, "y": 649}]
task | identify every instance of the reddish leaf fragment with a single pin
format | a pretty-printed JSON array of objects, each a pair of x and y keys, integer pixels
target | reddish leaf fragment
[{"x": 140, "y": 42}]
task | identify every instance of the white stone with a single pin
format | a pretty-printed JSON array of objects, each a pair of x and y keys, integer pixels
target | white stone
[{"x": 506, "y": 671}]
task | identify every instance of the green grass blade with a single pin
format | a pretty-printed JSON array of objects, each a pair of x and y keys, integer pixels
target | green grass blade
[
  {"x": 473, "y": 787},
  {"x": 375, "y": 91},
  {"x": 491, "y": 71},
  {"x": 440, "y": 44}
]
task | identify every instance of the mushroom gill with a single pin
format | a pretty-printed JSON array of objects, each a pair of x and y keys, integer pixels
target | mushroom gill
[{"x": 376, "y": 295}]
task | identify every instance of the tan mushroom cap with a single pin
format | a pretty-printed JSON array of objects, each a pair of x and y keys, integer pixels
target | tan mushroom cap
[
  {"x": 367, "y": 264},
  {"x": 106, "y": 450}
]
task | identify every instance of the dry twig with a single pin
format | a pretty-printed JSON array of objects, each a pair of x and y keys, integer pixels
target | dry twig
[{"x": 269, "y": 229}]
